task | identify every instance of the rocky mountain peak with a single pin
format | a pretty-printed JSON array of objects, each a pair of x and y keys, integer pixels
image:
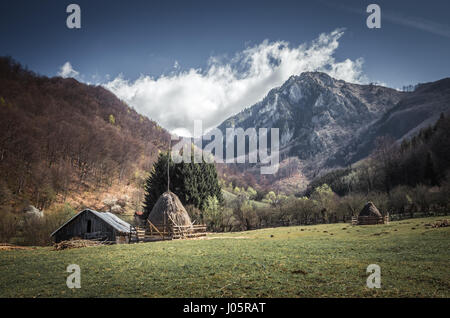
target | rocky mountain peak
[{"x": 317, "y": 115}]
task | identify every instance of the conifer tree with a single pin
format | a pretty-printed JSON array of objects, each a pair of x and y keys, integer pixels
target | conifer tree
[{"x": 192, "y": 182}]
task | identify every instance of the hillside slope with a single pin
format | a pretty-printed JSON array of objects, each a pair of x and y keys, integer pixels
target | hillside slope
[
  {"x": 60, "y": 138},
  {"x": 415, "y": 111}
]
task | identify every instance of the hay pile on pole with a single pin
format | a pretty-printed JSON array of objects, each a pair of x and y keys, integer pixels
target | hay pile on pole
[
  {"x": 370, "y": 215},
  {"x": 169, "y": 210},
  {"x": 370, "y": 210}
]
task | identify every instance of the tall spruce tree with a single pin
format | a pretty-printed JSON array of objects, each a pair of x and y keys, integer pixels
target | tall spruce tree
[
  {"x": 430, "y": 174},
  {"x": 192, "y": 182}
]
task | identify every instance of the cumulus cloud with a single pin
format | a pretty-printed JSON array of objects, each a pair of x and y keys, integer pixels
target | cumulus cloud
[
  {"x": 67, "y": 71},
  {"x": 227, "y": 86}
]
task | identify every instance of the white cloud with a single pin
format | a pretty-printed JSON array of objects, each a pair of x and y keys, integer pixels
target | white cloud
[
  {"x": 67, "y": 71},
  {"x": 227, "y": 87}
]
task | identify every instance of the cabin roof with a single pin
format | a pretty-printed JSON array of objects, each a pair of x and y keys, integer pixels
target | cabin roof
[{"x": 113, "y": 220}]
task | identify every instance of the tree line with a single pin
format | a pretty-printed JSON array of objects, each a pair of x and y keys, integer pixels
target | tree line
[{"x": 402, "y": 179}]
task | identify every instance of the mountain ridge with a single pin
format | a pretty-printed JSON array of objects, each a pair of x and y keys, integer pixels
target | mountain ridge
[{"x": 329, "y": 123}]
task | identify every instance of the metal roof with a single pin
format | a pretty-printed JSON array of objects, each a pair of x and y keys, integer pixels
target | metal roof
[{"x": 113, "y": 220}]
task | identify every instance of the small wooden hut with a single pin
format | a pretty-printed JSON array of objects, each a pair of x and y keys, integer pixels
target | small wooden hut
[
  {"x": 93, "y": 225},
  {"x": 370, "y": 215}
]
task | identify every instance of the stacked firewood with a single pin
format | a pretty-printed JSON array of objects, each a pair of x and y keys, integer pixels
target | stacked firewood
[
  {"x": 75, "y": 244},
  {"x": 443, "y": 223}
]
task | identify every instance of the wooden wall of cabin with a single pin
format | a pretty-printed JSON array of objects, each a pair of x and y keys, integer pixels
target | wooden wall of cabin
[{"x": 79, "y": 227}]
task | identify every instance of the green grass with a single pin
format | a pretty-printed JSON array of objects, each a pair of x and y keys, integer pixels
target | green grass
[{"x": 305, "y": 261}]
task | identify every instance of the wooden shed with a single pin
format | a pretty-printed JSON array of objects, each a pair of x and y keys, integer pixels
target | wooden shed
[{"x": 93, "y": 225}]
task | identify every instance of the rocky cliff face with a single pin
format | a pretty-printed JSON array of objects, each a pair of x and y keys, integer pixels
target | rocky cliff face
[{"x": 317, "y": 115}]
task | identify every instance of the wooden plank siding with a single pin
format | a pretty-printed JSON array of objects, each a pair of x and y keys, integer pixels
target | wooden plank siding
[{"x": 87, "y": 225}]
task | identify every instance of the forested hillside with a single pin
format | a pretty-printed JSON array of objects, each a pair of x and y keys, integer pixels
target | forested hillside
[
  {"x": 60, "y": 137},
  {"x": 421, "y": 160}
]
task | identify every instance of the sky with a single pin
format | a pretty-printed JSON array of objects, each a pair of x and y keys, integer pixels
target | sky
[{"x": 177, "y": 61}]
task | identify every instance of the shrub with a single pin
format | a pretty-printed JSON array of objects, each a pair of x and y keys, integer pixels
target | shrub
[
  {"x": 8, "y": 226},
  {"x": 352, "y": 204},
  {"x": 36, "y": 231},
  {"x": 400, "y": 200},
  {"x": 326, "y": 200},
  {"x": 212, "y": 214},
  {"x": 195, "y": 213},
  {"x": 382, "y": 201},
  {"x": 421, "y": 198}
]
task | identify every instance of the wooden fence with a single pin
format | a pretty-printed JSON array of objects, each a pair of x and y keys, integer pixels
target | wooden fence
[
  {"x": 368, "y": 220},
  {"x": 159, "y": 232},
  {"x": 187, "y": 231},
  {"x": 403, "y": 216}
]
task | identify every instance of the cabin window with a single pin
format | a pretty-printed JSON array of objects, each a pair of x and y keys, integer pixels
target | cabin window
[{"x": 89, "y": 226}]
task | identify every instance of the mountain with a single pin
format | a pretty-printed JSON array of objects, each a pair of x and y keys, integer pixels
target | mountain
[
  {"x": 416, "y": 110},
  {"x": 327, "y": 123},
  {"x": 62, "y": 139}
]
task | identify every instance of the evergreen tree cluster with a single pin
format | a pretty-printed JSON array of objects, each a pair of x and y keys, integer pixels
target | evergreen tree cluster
[{"x": 192, "y": 182}]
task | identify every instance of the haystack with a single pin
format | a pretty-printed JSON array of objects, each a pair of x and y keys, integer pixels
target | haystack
[
  {"x": 370, "y": 210},
  {"x": 169, "y": 210}
]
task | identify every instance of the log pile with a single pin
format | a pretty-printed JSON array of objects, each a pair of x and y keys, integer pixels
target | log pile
[
  {"x": 75, "y": 244},
  {"x": 443, "y": 223}
]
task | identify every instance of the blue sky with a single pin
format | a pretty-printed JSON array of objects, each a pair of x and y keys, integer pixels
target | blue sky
[{"x": 149, "y": 39}]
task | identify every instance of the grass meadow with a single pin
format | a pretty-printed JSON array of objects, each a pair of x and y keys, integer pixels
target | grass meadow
[{"x": 301, "y": 261}]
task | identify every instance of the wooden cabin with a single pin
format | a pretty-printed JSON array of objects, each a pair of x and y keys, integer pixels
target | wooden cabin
[{"x": 93, "y": 225}]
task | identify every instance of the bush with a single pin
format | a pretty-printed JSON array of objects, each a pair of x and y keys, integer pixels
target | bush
[
  {"x": 212, "y": 214},
  {"x": 244, "y": 213},
  {"x": 441, "y": 201},
  {"x": 352, "y": 204},
  {"x": 326, "y": 200},
  {"x": 36, "y": 231},
  {"x": 381, "y": 200},
  {"x": 8, "y": 226},
  {"x": 195, "y": 213},
  {"x": 421, "y": 198},
  {"x": 400, "y": 200}
]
